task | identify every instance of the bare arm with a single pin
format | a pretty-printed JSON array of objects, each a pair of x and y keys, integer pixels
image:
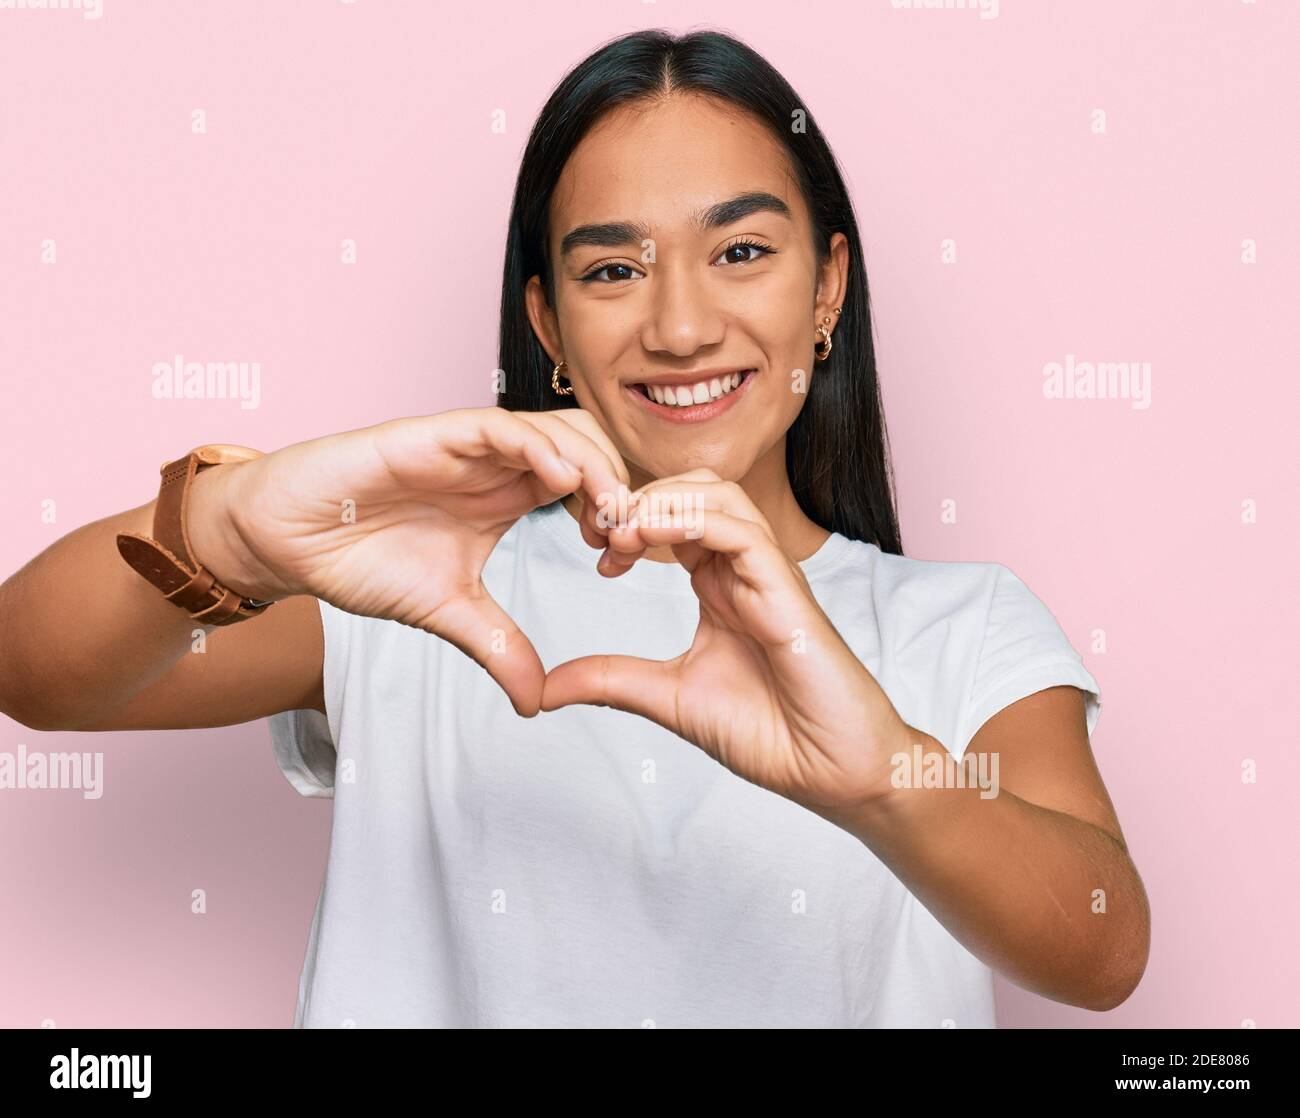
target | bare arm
[
  {"x": 87, "y": 644},
  {"x": 1036, "y": 881},
  {"x": 392, "y": 521}
]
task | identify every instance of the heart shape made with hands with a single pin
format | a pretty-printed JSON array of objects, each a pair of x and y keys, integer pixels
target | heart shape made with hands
[
  {"x": 509, "y": 656},
  {"x": 620, "y": 527},
  {"x": 625, "y": 529},
  {"x": 713, "y": 530},
  {"x": 768, "y": 687}
]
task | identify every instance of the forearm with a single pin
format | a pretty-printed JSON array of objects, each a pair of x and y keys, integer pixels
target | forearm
[
  {"x": 1051, "y": 901},
  {"x": 81, "y": 631}
]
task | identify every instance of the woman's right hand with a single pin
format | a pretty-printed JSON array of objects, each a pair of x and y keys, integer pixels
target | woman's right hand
[{"x": 397, "y": 520}]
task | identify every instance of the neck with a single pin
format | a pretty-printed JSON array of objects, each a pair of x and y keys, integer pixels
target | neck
[{"x": 768, "y": 485}]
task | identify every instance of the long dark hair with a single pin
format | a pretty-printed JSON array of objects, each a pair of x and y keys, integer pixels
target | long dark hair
[{"x": 837, "y": 450}]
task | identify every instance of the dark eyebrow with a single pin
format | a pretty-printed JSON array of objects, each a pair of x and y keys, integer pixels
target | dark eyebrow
[{"x": 616, "y": 234}]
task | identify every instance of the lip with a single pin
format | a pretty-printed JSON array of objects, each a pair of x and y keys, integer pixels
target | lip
[{"x": 695, "y": 413}]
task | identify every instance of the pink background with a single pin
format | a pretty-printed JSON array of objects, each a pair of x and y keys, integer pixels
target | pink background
[{"x": 371, "y": 121}]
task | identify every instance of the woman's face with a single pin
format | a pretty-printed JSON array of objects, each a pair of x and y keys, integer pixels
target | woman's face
[{"x": 683, "y": 257}]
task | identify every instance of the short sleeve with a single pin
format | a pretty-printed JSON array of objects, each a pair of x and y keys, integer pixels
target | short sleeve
[
  {"x": 305, "y": 751},
  {"x": 1024, "y": 649},
  {"x": 301, "y": 740}
]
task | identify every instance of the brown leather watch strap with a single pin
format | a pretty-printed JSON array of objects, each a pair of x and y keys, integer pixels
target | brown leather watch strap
[{"x": 167, "y": 561}]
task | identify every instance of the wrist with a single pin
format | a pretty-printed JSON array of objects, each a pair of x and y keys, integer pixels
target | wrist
[
  {"x": 217, "y": 541},
  {"x": 892, "y": 791}
]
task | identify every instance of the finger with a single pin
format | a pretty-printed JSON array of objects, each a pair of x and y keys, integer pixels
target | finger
[
  {"x": 583, "y": 421},
  {"x": 727, "y": 496},
  {"x": 422, "y": 452},
  {"x": 754, "y": 556},
  {"x": 600, "y": 508},
  {"x": 679, "y": 496},
  {"x": 481, "y": 629},
  {"x": 526, "y": 445},
  {"x": 621, "y": 548},
  {"x": 550, "y": 466},
  {"x": 613, "y": 563},
  {"x": 630, "y": 683},
  {"x": 698, "y": 488},
  {"x": 601, "y": 479},
  {"x": 594, "y": 525}
]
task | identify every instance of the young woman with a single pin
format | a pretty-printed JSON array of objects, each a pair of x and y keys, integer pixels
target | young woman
[{"x": 732, "y": 801}]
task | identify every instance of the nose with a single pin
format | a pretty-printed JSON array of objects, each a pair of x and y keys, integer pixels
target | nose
[{"x": 681, "y": 315}]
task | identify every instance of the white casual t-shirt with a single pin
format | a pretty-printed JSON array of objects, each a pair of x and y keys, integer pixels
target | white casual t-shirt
[{"x": 589, "y": 868}]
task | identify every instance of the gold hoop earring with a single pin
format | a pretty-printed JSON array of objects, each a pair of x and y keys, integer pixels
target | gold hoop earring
[
  {"x": 555, "y": 381},
  {"x": 822, "y": 354}
]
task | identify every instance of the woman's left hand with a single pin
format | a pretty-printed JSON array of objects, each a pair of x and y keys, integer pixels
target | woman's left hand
[{"x": 768, "y": 687}]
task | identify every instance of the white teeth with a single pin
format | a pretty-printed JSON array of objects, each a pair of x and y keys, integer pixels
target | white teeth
[{"x": 684, "y": 396}]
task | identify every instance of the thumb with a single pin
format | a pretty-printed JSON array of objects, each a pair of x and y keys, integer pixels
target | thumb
[
  {"x": 630, "y": 683},
  {"x": 480, "y": 628}
]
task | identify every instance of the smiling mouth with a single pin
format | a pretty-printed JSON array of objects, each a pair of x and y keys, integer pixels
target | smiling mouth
[{"x": 693, "y": 395}]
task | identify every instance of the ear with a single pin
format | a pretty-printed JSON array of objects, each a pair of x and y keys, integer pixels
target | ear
[
  {"x": 543, "y": 320},
  {"x": 833, "y": 279}
]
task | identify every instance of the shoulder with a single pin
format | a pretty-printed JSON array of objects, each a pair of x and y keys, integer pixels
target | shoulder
[
  {"x": 959, "y": 639},
  {"x": 905, "y": 596},
  {"x": 926, "y": 583},
  {"x": 984, "y": 607},
  {"x": 988, "y": 596},
  {"x": 919, "y": 590}
]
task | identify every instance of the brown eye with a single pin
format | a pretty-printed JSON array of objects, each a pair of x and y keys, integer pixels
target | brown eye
[
  {"x": 591, "y": 276},
  {"x": 742, "y": 250}
]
